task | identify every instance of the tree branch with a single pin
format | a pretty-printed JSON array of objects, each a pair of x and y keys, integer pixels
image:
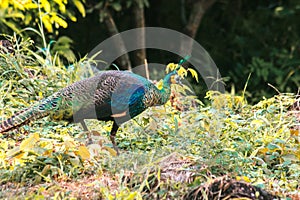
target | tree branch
[
  {"x": 199, "y": 7},
  {"x": 123, "y": 60},
  {"x": 139, "y": 55}
]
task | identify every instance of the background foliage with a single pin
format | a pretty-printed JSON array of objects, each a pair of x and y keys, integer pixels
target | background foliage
[
  {"x": 165, "y": 152},
  {"x": 259, "y": 37},
  {"x": 247, "y": 137}
]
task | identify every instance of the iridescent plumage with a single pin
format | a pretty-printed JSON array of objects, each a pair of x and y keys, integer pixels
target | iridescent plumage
[{"x": 111, "y": 95}]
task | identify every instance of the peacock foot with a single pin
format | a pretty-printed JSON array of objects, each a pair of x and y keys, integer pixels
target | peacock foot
[{"x": 117, "y": 150}]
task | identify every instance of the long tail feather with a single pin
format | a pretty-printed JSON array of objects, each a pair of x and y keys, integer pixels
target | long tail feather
[{"x": 34, "y": 112}]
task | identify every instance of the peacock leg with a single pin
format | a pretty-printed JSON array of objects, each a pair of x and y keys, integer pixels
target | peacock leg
[
  {"x": 85, "y": 128},
  {"x": 113, "y": 134}
]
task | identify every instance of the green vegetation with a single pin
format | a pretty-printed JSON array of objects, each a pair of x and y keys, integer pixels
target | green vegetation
[
  {"x": 226, "y": 137},
  {"x": 258, "y": 37},
  {"x": 187, "y": 148},
  {"x": 16, "y": 15}
]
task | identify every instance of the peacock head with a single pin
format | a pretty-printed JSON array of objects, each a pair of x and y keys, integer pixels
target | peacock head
[
  {"x": 172, "y": 78},
  {"x": 164, "y": 86}
]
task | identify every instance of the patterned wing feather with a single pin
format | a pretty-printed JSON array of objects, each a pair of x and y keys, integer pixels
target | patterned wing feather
[{"x": 104, "y": 96}]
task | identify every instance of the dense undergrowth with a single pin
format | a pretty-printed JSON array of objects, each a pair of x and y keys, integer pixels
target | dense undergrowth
[{"x": 165, "y": 152}]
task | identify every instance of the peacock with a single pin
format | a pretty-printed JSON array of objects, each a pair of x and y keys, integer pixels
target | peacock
[{"x": 110, "y": 95}]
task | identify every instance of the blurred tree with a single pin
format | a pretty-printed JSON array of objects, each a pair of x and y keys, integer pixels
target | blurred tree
[
  {"x": 197, "y": 10},
  {"x": 257, "y": 37},
  {"x": 44, "y": 18},
  {"x": 16, "y": 15},
  {"x": 139, "y": 20},
  {"x": 243, "y": 37},
  {"x": 105, "y": 8}
]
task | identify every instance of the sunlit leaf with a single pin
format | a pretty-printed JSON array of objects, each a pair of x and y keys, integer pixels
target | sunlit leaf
[
  {"x": 46, "y": 5},
  {"x": 59, "y": 21},
  {"x": 110, "y": 150},
  {"x": 159, "y": 85},
  {"x": 243, "y": 178},
  {"x": 47, "y": 23},
  {"x": 69, "y": 144},
  {"x": 31, "y": 5},
  {"x": 194, "y": 73},
  {"x": 15, "y": 15},
  {"x": 18, "y": 5},
  {"x": 30, "y": 142},
  {"x": 182, "y": 72},
  {"x": 83, "y": 152},
  {"x": 171, "y": 67},
  {"x": 4, "y": 3},
  {"x": 61, "y": 4},
  {"x": 80, "y": 7},
  {"x": 131, "y": 196}
]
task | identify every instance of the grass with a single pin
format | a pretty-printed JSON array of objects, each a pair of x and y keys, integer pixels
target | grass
[{"x": 178, "y": 150}]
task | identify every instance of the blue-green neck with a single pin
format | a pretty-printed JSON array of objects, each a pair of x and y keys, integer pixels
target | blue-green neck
[{"x": 165, "y": 91}]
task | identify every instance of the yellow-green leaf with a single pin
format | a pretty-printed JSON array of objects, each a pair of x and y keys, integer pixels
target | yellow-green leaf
[
  {"x": 110, "y": 150},
  {"x": 243, "y": 178},
  {"x": 131, "y": 196},
  {"x": 194, "y": 73},
  {"x": 30, "y": 5},
  {"x": 159, "y": 85},
  {"x": 80, "y": 7},
  {"x": 171, "y": 67},
  {"x": 59, "y": 21},
  {"x": 47, "y": 23},
  {"x": 15, "y": 15},
  {"x": 30, "y": 142},
  {"x": 46, "y": 5},
  {"x": 4, "y": 3},
  {"x": 18, "y": 5},
  {"x": 62, "y": 6},
  {"x": 182, "y": 72},
  {"x": 83, "y": 152}
]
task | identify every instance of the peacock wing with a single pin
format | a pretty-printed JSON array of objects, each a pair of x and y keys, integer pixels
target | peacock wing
[
  {"x": 86, "y": 97},
  {"x": 128, "y": 98}
]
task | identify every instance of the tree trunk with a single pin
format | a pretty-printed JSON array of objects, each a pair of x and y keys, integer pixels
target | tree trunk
[
  {"x": 139, "y": 55},
  {"x": 199, "y": 7},
  {"x": 123, "y": 61}
]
